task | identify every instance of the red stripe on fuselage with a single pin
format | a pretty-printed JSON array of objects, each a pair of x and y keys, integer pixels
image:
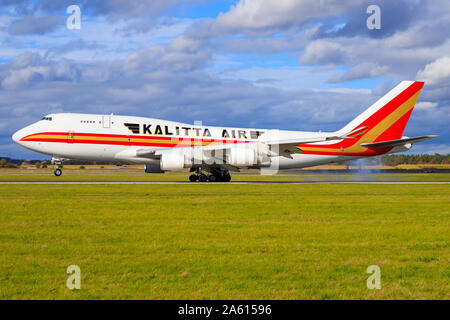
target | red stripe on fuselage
[
  {"x": 177, "y": 141},
  {"x": 105, "y": 135}
]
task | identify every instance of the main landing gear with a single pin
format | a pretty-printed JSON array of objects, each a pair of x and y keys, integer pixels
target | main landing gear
[{"x": 216, "y": 175}]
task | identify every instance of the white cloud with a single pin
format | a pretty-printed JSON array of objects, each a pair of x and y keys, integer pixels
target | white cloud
[
  {"x": 345, "y": 90},
  {"x": 425, "y": 105},
  {"x": 436, "y": 72},
  {"x": 35, "y": 24},
  {"x": 324, "y": 51},
  {"x": 23, "y": 76},
  {"x": 430, "y": 148},
  {"x": 425, "y": 34},
  {"x": 361, "y": 71},
  {"x": 400, "y": 63},
  {"x": 268, "y": 16},
  {"x": 98, "y": 39},
  {"x": 304, "y": 77}
]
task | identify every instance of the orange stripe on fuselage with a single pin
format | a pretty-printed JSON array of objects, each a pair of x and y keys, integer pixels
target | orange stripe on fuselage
[{"x": 129, "y": 140}]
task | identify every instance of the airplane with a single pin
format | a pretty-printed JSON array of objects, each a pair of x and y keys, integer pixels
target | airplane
[{"x": 210, "y": 152}]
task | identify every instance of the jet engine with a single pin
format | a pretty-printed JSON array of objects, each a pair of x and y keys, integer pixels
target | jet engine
[
  {"x": 153, "y": 168},
  {"x": 172, "y": 161},
  {"x": 242, "y": 157}
]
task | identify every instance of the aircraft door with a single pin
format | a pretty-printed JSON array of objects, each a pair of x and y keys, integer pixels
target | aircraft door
[
  {"x": 106, "y": 121},
  {"x": 70, "y": 137}
]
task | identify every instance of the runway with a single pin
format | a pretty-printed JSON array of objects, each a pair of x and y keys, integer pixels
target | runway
[{"x": 225, "y": 183}]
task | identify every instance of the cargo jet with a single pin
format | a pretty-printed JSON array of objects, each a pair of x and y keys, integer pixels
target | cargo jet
[{"x": 212, "y": 152}]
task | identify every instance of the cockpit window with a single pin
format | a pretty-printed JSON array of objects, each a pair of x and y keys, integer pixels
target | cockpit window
[{"x": 47, "y": 118}]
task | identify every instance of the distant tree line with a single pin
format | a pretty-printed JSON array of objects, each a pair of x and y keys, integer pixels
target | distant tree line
[
  {"x": 4, "y": 163},
  {"x": 17, "y": 163},
  {"x": 398, "y": 159},
  {"x": 388, "y": 160}
]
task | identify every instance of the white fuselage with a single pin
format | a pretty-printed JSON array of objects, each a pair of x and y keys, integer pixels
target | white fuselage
[{"x": 111, "y": 138}]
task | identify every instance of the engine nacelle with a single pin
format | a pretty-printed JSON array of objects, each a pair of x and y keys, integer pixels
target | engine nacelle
[
  {"x": 242, "y": 157},
  {"x": 153, "y": 168},
  {"x": 172, "y": 161}
]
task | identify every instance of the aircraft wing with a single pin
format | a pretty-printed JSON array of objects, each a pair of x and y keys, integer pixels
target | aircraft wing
[
  {"x": 284, "y": 147},
  {"x": 156, "y": 154},
  {"x": 395, "y": 143},
  {"x": 287, "y": 147},
  {"x": 147, "y": 153}
]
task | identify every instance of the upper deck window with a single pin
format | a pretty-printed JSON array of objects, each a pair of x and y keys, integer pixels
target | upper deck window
[{"x": 47, "y": 118}]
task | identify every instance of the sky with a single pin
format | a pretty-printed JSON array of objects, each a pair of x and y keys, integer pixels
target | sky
[{"x": 287, "y": 64}]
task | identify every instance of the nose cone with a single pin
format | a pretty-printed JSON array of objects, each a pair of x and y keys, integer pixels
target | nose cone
[{"x": 17, "y": 136}]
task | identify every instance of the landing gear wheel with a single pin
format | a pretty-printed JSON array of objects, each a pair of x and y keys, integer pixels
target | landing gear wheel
[
  {"x": 57, "y": 172},
  {"x": 212, "y": 178},
  {"x": 202, "y": 178},
  {"x": 193, "y": 177},
  {"x": 227, "y": 177}
]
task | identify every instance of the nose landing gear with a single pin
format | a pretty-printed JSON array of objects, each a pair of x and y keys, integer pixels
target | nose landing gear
[{"x": 58, "y": 164}]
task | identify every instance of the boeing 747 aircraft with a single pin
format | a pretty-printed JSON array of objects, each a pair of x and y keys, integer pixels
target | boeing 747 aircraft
[{"x": 212, "y": 152}]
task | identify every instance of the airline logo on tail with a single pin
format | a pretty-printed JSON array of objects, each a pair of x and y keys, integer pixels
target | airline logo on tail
[{"x": 385, "y": 120}]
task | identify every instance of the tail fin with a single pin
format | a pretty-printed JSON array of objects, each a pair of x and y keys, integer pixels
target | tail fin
[{"x": 386, "y": 119}]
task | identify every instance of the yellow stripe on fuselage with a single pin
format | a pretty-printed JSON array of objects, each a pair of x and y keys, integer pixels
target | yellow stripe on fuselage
[{"x": 176, "y": 141}]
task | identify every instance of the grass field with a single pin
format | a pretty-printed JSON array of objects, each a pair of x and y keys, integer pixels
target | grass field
[
  {"x": 207, "y": 241},
  {"x": 123, "y": 175}
]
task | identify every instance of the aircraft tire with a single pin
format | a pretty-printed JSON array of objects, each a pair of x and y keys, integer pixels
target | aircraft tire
[
  {"x": 202, "y": 178},
  {"x": 57, "y": 172},
  {"x": 193, "y": 178}
]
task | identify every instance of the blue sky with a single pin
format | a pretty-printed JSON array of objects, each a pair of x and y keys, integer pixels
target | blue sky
[
  {"x": 201, "y": 9},
  {"x": 288, "y": 64}
]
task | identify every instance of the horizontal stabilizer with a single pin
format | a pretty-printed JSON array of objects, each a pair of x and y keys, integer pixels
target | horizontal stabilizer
[{"x": 395, "y": 143}]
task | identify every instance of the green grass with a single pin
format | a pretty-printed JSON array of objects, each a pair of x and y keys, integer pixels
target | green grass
[
  {"x": 207, "y": 241},
  {"x": 117, "y": 175}
]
